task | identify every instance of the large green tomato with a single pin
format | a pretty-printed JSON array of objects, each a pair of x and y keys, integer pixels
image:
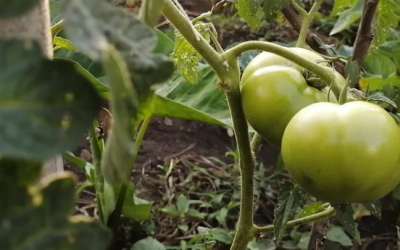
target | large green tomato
[
  {"x": 272, "y": 95},
  {"x": 265, "y": 59},
  {"x": 343, "y": 153}
]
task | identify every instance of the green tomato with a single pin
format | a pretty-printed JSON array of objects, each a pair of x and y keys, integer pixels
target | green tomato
[
  {"x": 265, "y": 59},
  {"x": 271, "y": 96},
  {"x": 343, "y": 153}
]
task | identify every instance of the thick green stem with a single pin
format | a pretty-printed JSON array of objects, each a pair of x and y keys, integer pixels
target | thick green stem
[
  {"x": 180, "y": 22},
  {"x": 307, "y": 19},
  {"x": 329, "y": 212},
  {"x": 246, "y": 163},
  {"x": 299, "y": 9},
  {"x": 325, "y": 73}
]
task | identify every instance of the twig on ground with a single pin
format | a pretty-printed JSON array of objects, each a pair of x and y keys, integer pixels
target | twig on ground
[{"x": 318, "y": 234}]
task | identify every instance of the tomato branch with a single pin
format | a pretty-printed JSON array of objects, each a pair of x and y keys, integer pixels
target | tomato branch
[
  {"x": 307, "y": 19},
  {"x": 294, "y": 19},
  {"x": 302, "y": 12},
  {"x": 327, "y": 213},
  {"x": 325, "y": 73},
  {"x": 366, "y": 31}
]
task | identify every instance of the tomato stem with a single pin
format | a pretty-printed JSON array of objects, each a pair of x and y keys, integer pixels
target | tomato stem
[
  {"x": 343, "y": 94},
  {"x": 246, "y": 164},
  {"x": 307, "y": 19},
  {"x": 328, "y": 212},
  {"x": 298, "y": 8},
  {"x": 325, "y": 73}
]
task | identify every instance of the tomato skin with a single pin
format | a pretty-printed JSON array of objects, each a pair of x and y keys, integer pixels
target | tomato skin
[
  {"x": 271, "y": 96},
  {"x": 265, "y": 59},
  {"x": 343, "y": 153}
]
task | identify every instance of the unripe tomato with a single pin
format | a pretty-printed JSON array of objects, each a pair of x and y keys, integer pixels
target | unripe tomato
[
  {"x": 343, "y": 153},
  {"x": 265, "y": 59},
  {"x": 271, "y": 96}
]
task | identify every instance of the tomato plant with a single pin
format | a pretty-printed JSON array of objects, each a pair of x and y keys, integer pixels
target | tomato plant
[{"x": 343, "y": 153}]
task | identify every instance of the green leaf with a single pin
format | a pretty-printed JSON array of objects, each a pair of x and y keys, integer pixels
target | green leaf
[
  {"x": 336, "y": 234},
  {"x": 382, "y": 100},
  {"x": 55, "y": 9},
  {"x": 380, "y": 71},
  {"x": 266, "y": 244},
  {"x": 375, "y": 208},
  {"x": 15, "y": 8},
  {"x": 182, "y": 204},
  {"x": 91, "y": 66},
  {"x": 38, "y": 217},
  {"x": 186, "y": 57},
  {"x": 148, "y": 243},
  {"x": 165, "y": 45},
  {"x": 344, "y": 213},
  {"x": 94, "y": 25},
  {"x": 50, "y": 101},
  {"x": 311, "y": 209},
  {"x": 254, "y": 5},
  {"x": 221, "y": 235},
  {"x": 348, "y": 17},
  {"x": 353, "y": 70},
  {"x": 340, "y": 5},
  {"x": 77, "y": 161},
  {"x": 379, "y": 65},
  {"x": 19, "y": 172},
  {"x": 61, "y": 43},
  {"x": 388, "y": 17},
  {"x": 164, "y": 107},
  {"x": 150, "y": 11},
  {"x": 119, "y": 156},
  {"x": 205, "y": 97},
  {"x": 82, "y": 164},
  {"x": 172, "y": 210},
  {"x": 101, "y": 88},
  {"x": 272, "y": 7},
  {"x": 195, "y": 214},
  {"x": 183, "y": 227},
  {"x": 303, "y": 241},
  {"x": 289, "y": 199},
  {"x": 245, "y": 12},
  {"x": 135, "y": 208}
]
